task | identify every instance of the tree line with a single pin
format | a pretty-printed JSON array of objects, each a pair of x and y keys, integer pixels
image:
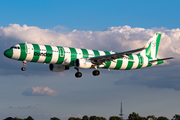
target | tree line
[{"x": 132, "y": 116}]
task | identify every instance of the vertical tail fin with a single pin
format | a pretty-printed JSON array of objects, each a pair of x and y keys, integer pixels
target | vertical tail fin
[{"x": 152, "y": 46}]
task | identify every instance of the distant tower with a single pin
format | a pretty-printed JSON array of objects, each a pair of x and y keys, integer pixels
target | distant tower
[{"x": 121, "y": 111}]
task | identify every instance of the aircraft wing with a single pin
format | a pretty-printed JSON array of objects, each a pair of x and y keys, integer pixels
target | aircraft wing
[{"x": 102, "y": 59}]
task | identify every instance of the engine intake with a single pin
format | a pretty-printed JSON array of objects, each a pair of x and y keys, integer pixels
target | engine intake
[{"x": 83, "y": 63}]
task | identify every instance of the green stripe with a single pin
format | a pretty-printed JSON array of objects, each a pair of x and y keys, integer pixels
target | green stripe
[
  {"x": 96, "y": 53},
  {"x": 36, "y": 50},
  {"x": 157, "y": 43},
  {"x": 119, "y": 63},
  {"x": 149, "y": 64},
  {"x": 140, "y": 64},
  {"x": 23, "y": 55},
  {"x": 130, "y": 62},
  {"x": 108, "y": 63},
  {"x": 159, "y": 62},
  {"x": 85, "y": 53},
  {"x": 49, "y": 54},
  {"x": 61, "y": 55},
  {"x": 148, "y": 50},
  {"x": 9, "y": 53},
  {"x": 73, "y": 55}
]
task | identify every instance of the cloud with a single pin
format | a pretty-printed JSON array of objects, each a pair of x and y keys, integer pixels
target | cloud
[
  {"x": 61, "y": 29},
  {"x": 119, "y": 39},
  {"x": 113, "y": 38},
  {"x": 22, "y": 107},
  {"x": 39, "y": 91},
  {"x": 156, "y": 77}
]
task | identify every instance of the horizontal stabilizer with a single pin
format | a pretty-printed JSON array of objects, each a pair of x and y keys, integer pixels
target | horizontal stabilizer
[{"x": 152, "y": 61}]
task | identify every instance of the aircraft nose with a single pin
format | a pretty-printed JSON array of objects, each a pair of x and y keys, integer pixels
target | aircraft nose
[{"x": 8, "y": 53}]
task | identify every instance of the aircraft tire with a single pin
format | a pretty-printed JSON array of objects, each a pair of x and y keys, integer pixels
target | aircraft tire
[
  {"x": 23, "y": 68},
  {"x": 78, "y": 75},
  {"x": 96, "y": 72}
]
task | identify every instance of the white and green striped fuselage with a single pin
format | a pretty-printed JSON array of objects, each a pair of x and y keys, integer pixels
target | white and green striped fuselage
[
  {"x": 67, "y": 55},
  {"x": 61, "y": 58}
]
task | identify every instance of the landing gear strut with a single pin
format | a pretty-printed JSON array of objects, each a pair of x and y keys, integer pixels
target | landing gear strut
[
  {"x": 78, "y": 74},
  {"x": 24, "y": 64},
  {"x": 96, "y": 72}
]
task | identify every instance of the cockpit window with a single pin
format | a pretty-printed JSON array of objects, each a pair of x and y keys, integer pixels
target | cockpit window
[{"x": 15, "y": 47}]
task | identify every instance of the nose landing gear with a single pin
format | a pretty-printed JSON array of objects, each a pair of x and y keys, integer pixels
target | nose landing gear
[{"x": 24, "y": 64}]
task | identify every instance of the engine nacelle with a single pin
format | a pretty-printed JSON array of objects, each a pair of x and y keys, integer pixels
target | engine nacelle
[
  {"x": 57, "y": 68},
  {"x": 83, "y": 63}
]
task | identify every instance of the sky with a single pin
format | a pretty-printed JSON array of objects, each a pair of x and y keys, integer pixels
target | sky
[{"x": 101, "y": 25}]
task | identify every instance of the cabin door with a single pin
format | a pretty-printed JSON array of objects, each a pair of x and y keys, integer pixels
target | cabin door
[{"x": 61, "y": 51}]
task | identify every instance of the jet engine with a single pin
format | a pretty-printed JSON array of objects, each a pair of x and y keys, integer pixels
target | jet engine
[
  {"x": 57, "y": 68},
  {"x": 83, "y": 63}
]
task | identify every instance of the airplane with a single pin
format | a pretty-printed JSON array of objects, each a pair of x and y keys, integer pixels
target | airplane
[{"x": 62, "y": 58}]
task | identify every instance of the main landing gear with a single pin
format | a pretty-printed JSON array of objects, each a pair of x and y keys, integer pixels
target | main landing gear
[
  {"x": 24, "y": 64},
  {"x": 96, "y": 72},
  {"x": 79, "y": 74}
]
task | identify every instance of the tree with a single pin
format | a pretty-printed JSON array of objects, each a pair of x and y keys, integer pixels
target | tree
[
  {"x": 115, "y": 118},
  {"x": 54, "y": 118},
  {"x": 151, "y": 117},
  {"x": 134, "y": 116},
  {"x": 96, "y": 118},
  {"x": 176, "y": 117},
  {"x": 93, "y": 118},
  {"x": 85, "y": 117},
  {"x": 162, "y": 118},
  {"x": 102, "y": 118},
  {"x": 143, "y": 118},
  {"x": 72, "y": 118},
  {"x": 9, "y": 118},
  {"x": 29, "y": 118},
  {"x": 18, "y": 118}
]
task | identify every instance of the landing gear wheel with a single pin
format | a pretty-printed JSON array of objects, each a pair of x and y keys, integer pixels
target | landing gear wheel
[
  {"x": 24, "y": 64},
  {"x": 96, "y": 72},
  {"x": 78, "y": 74},
  {"x": 23, "y": 68}
]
